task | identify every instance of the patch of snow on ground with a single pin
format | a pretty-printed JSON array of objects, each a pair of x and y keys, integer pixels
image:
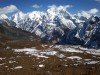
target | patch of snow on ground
[
  {"x": 18, "y": 67},
  {"x": 12, "y": 61},
  {"x": 94, "y": 52},
  {"x": 82, "y": 48},
  {"x": 76, "y": 64},
  {"x": 77, "y": 49},
  {"x": 92, "y": 62},
  {"x": 2, "y": 58},
  {"x": 2, "y": 64},
  {"x": 31, "y": 51},
  {"x": 37, "y": 53},
  {"x": 73, "y": 50},
  {"x": 49, "y": 52},
  {"x": 66, "y": 65},
  {"x": 60, "y": 56},
  {"x": 41, "y": 65},
  {"x": 74, "y": 57},
  {"x": 87, "y": 59},
  {"x": 90, "y": 51},
  {"x": 68, "y": 49}
]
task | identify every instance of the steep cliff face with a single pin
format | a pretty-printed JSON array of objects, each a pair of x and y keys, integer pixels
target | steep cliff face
[{"x": 88, "y": 34}]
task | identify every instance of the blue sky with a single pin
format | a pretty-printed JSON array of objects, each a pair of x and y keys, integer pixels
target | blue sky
[{"x": 26, "y": 5}]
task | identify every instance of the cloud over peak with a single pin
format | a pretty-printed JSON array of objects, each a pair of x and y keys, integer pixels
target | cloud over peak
[
  {"x": 93, "y": 11},
  {"x": 65, "y": 7},
  {"x": 8, "y": 9},
  {"x": 89, "y": 13}
]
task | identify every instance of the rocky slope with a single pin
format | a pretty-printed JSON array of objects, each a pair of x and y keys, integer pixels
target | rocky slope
[{"x": 13, "y": 37}]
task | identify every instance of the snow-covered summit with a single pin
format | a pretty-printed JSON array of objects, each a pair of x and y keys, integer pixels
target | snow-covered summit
[
  {"x": 45, "y": 23},
  {"x": 17, "y": 17},
  {"x": 3, "y": 16}
]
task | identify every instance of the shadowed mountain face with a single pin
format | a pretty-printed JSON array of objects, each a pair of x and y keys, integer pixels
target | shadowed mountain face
[
  {"x": 14, "y": 37},
  {"x": 87, "y": 35},
  {"x": 12, "y": 32}
]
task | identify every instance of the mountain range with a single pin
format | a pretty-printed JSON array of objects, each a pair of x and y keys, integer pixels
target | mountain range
[{"x": 56, "y": 26}]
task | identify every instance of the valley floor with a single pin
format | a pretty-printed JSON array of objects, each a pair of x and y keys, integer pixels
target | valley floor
[{"x": 48, "y": 60}]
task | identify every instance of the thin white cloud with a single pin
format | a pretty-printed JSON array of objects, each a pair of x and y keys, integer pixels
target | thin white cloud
[
  {"x": 97, "y": 1},
  {"x": 59, "y": 7},
  {"x": 93, "y": 11},
  {"x": 36, "y": 6},
  {"x": 8, "y": 9},
  {"x": 89, "y": 13},
  {"x": 54, "y": 9}
]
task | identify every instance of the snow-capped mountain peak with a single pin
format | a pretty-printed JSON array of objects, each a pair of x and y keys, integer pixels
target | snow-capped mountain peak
[
  {"x": 43, "y": 24},
  {"x": 3, "y": 16},
  {"x": 58, "y": 11},
  {"x": 18, "y": 16}
]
